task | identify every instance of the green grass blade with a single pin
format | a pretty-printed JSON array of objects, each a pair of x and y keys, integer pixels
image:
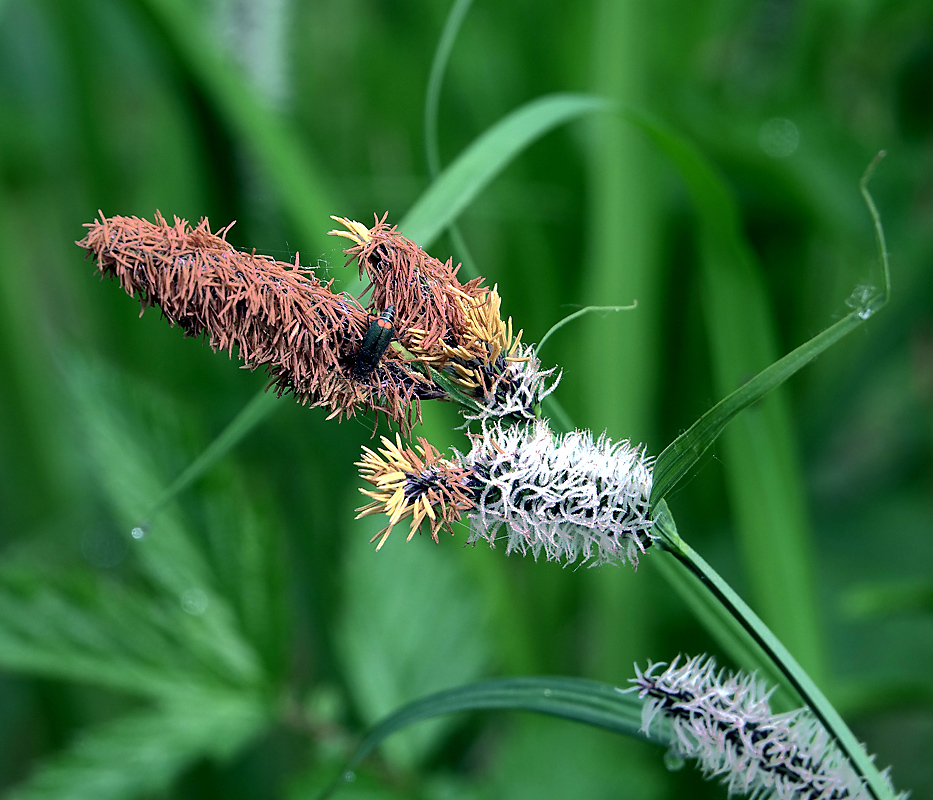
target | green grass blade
[
  {"x": 585, "y": 701},
  {"x": 619, "y": 359},
  {"x": 486, "y": 157},
  {"x": 679, "y": 457},
  {"x": 720, "y": 224},
  {"x": 760, "y": 464},
  {"x": 873, "y": 299},
  {"x": 728, "y": 632},
  {"x": 793, "y": 675},
  {"x": 254, "y": 412},
  {"x": 455, "y": 17},
  {"x": 297, "y": 178}
]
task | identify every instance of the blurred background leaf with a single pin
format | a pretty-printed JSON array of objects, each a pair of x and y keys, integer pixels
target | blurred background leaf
[
  {"x": 140, "y": 754},
  {"x": 252, "y": 588}
]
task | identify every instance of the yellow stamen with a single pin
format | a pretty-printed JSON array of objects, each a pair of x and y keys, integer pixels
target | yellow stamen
[{"x": 356, "y": 231}]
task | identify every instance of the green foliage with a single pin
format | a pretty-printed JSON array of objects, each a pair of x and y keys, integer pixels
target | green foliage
[
  {"x": 198, "y": 637},
  {"x": 142, "y": 752},
  {"x": 243, "y": 645},
  {"x": 417, "y": 649},
  {"x": 569, "y": 698},
  {"x": 477, "y": 165}
]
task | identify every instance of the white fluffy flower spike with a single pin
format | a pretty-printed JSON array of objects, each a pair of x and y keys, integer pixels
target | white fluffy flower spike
[
  {"x": 568, "y": 496},
  {"x": 725, "y": 722}
]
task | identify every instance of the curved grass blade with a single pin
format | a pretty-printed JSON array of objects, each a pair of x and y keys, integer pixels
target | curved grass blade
[
  {"x": 793, "y": 675},
  {"x": 292, "y": 171},
  {"x": 486, "y": 157},
  {"x": 680, "y": 456},
  {"x": 254, "y": 412},
  {"x": 762, "y": 473},
  {"x": 455, "y": 17},
  {"x": 575, "y": 315},
  {"x": 724, "y": 629},
  {"x": 589, "y": 702}
]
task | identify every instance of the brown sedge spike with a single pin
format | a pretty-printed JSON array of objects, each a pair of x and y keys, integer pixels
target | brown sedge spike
[
  {"x": 427, "y": 296},
  {"x": 275, "y": 314}
]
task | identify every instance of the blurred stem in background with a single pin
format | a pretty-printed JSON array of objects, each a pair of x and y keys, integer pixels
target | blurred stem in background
[{"x": 617, "y": 364}]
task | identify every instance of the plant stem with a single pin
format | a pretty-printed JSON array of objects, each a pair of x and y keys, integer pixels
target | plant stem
[{"x": 775, "y": 651}]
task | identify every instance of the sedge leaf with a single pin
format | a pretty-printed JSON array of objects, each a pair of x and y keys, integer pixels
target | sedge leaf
[
  {"x": 793, "y": 676},
  {"x": 679, "y": 457},
  {"x": 586, "y": 701},
  {"x": 486, "y": 157}
]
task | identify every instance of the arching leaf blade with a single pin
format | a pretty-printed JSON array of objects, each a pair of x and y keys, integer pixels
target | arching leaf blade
[
  {"x": 589, "y": 702},
  {"x": 486, "y": 157}
]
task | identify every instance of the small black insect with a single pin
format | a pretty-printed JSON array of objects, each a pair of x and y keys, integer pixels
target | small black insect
[{"x": 379, "y": 336}]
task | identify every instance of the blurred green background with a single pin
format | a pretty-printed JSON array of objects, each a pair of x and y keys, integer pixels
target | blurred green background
[{"x": 240, "y": 646}]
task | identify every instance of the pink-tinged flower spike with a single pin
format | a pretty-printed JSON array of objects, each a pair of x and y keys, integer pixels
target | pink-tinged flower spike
[
  {"x": 726, "y": 724},
  {"x": 568, "y": 497}
]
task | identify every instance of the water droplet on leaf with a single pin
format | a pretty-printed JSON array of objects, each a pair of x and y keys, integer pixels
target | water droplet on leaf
[
  {"x": 673, "y": 761},
  {"x": 860, "y": 301},
  {"x": 194, "y": 601},
  {"x": 779, "y": 137}
]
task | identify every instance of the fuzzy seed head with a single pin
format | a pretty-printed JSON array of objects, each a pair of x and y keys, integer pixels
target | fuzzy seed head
[
  {"x": 568, "y": 497},
  {"x": 273, "y": 314},
  {"x": 425, "y": 291},
  {"x": 725, "y": 723}
]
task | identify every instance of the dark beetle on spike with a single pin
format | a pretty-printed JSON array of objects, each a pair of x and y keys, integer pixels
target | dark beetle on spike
[{"x": 378, "y": 337}]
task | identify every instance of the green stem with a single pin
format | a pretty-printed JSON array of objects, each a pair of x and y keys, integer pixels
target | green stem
[{"x": 775, "y": 651}]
